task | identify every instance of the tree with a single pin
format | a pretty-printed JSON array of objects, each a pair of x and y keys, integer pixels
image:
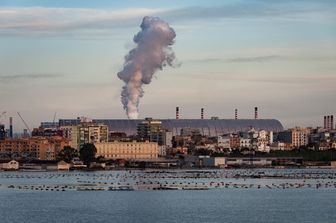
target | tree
[
  {"x": 67, "y": 154},
  {"x": 87, "y": 153}
]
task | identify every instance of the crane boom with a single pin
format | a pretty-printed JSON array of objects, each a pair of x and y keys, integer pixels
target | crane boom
[{"x": 24, "y": 122}]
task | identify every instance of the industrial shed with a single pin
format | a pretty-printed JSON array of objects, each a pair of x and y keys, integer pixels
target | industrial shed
[{"x": 209, "y": 127}]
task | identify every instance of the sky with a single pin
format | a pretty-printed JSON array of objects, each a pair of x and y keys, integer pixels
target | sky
[{"x": 60, "y": 56}]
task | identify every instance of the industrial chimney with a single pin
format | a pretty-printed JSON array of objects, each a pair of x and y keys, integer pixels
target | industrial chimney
[
  {"x": 255, "y": 112},
  {"x": 177, "y": 113},
  {"x": 331, "y": 122},
  {"x": 328, "y": 122},
  {"x": 325, "y": 122},
  {"x": 11, "y": 127},
  {"x": 236, "y": 114},
  {"x": 202, "y": 113}
]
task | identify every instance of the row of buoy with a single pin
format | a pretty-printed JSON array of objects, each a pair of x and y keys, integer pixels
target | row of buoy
[{"x": 172, "y": 186}]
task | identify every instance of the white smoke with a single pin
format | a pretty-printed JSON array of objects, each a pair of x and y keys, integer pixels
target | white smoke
[{"x": 152, "y": 53}]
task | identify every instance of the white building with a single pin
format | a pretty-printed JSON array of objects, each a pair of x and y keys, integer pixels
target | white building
[
  {"x": 223, "y": 142},
  {"x": 162, "y": 151},
  {"x": 245, "y": 143},
  {"x": 167, "y": 138}
]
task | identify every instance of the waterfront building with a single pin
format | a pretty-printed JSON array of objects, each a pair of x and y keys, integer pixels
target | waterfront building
[
  {"x": 127, "y": 150},
  {"x": 50, "y": 165},
  {"x": 33, "y": 147}
]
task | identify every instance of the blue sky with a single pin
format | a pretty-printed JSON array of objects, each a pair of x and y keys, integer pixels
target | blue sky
[{"x": 63, "y": 56}]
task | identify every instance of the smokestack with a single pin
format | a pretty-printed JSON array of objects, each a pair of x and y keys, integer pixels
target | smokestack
[
  {"x": 331, "y": 122},
  {"x": 325, "y": 122},
  {"x": 11, "y": 127},
  {"x": 202, "y": 113},
  {"x": 236, "y": 114},
  {"x": 152, "y": 52},
  {"x": 177, "y": 112},
  {"x": 255, "y": 112},
  {"x": 328, "y": 122}
]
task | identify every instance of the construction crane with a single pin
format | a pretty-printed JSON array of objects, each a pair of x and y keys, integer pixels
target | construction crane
[{"x": 24, "y": 122}]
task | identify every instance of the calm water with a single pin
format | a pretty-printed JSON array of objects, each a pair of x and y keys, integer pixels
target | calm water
[{"x": 306, "y": 204}]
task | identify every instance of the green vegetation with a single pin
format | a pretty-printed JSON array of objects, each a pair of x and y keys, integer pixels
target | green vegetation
[
  {"x": 87, "y": 153},
  {"x": 67, "y": 154},
  {"x": 306, "y": 154}
]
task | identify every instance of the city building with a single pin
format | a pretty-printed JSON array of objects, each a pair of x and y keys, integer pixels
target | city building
[
  {"x": 296, "y": 137},
  {"x": 32, "y": 148},
  {"x": 245, "y": 142},
  {"x": 224, "y": 141},
  {"x": 167, "y": 138},
  {"x": 85, "y": 132},
  {"x": 150, "y": 130},
  {"x": 328, "y": 122},
  {"x": 127, "y": 150},
  {"x": 46, "y": 132},
  {"x": 299, "y": 137},
  {"x": 234, "y": 141}
]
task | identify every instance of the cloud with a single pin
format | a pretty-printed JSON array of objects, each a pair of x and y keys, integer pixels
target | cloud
[
  {"x": 240, "y": 59},
  {"x": 42, "y": 20},
  {"x": 278, "y": 79},
  {"x": 14, "y": 77},
  {"x": 52, "y": 21},
  {"x": 261, "y": 59}
]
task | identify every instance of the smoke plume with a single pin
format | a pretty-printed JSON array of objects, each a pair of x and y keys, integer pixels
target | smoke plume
[{"x": 152, "y": 52}]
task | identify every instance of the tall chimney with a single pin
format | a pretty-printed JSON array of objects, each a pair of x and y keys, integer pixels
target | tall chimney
[
  {"x": 202, "y": 113},
  {"x": 328, "y": 122},
  {"x": 11, "y": 127},
  {"x": 255, "y": 112},
  {"x": 325, "y": 122},
  {"x": 177, "y": 113},
  {"x": 236, "y": 114},
  {"x": 331, "y": 122}
]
